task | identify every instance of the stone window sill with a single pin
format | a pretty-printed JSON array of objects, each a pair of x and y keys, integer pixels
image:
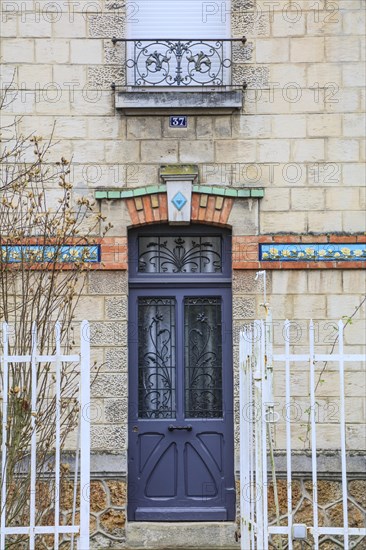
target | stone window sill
[{"x": 133, "y": 102}]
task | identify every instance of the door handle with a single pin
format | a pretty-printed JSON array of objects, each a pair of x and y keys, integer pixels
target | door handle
[{"x": 187, "y": 428}]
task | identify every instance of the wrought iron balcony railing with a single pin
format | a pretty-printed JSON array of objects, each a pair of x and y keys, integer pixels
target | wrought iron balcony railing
[{"x": 178, "y": 62}]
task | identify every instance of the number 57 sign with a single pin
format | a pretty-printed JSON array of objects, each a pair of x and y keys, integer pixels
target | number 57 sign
[{"x": 178, "y": 121}]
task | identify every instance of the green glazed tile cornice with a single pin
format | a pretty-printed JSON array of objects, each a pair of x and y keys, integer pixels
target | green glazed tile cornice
[{"x": 243, "y": 192}]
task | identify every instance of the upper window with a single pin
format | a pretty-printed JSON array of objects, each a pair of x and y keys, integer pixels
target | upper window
[
  {"x": 179, "y": 43},
  {"x": 179, "y": 19},
  {"x": 177, "y": 254},
  {"x": 199, "y": 251}
]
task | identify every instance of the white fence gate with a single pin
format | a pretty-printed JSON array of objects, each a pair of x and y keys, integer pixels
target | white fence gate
[
  {"x": 257, "y": 419},
  {"x": 58, "y": 360}
]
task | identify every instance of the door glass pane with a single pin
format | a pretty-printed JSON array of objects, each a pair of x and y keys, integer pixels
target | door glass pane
[
  {"x": 156, "y": 357},
  {"x": 203, "y": 357},
  {"x": 180, "y": 254}
]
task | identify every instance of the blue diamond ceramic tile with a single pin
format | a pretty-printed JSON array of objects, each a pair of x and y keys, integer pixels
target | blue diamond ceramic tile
[{"x": 179, "y": 200}]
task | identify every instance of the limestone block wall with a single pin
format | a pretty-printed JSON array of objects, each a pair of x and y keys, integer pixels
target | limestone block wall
[
  {"x": 106, "y": 307},
  {"x": 299, "y": 135}
]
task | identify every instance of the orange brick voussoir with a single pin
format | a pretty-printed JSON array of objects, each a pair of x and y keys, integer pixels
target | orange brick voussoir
[{"x": 144, "y": 213}]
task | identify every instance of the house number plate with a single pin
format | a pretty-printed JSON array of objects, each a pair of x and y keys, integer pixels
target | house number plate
[{"x": 178, "y": 121}]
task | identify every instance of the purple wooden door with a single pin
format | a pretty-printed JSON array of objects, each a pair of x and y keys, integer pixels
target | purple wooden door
[{"x": 180, "y": 449}]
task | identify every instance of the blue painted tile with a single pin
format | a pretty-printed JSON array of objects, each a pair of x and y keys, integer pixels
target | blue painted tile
[
  {"x": 312, "y": 252},
  {"x": 43, "y": 254}
]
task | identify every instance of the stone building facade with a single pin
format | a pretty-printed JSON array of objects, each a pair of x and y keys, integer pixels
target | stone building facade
[{"x": 283, "y": 171}]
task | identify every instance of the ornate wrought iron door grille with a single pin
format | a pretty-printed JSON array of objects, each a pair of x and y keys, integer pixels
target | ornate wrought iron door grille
[
  {"x": 203, "y": 357},
  {"x": 178, "y": 254},
  {"x": 156, "y": 357}
]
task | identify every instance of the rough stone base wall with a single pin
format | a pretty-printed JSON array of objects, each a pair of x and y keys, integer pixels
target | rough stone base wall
[
  {"x": 108, "y": 513},
  {"x": 110, "y": 529},
  {"x": 108, "y": 501},
  {"x": 330, "y": 509}
]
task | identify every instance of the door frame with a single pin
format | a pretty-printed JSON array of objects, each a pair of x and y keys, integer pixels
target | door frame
[{"x": 165, "y": 285}]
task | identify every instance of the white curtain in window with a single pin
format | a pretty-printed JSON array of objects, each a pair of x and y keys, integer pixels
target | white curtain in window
[
  {"x": 178, "y": 19},
  {"x": 158, "y": 59}
]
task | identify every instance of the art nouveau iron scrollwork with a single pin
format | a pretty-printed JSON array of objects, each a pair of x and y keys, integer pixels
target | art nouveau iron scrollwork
[
  {"x": 203, "y": 358},
  {"x": 177, "y": 255},
  {"x": 202, "y": 364},
  {"x": 178, "y": 63},
  {"x": 156, "y": 357}
]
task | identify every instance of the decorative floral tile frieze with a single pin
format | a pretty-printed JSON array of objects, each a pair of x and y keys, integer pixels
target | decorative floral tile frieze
[
  {"x": 312, "y": 252},
  {"x": 42, "y": 254}
]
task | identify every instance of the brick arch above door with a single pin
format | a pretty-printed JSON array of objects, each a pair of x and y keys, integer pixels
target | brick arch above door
[
  {"x": 210, "y": 204},
  {"x": 210, "y": 209},
  {"x": 236, "y": 209},
  {"x": 225, "y": 207}
]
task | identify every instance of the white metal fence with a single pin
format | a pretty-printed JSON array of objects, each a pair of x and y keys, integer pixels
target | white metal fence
[
  {"x": 58, "y": 360},
  {"x": 257, "y": 419}
]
